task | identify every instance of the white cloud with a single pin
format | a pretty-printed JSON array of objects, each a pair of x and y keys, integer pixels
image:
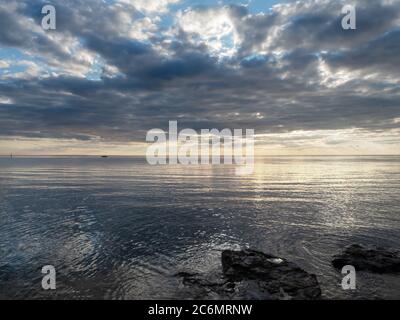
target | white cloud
[
  {"x": 151, "y": 6},
  {"x": 211, "y": 26},
  {"x": 4, "y": 64},
  {"x": 5, "y": 100},
  {"x": 142, "y": 29}
]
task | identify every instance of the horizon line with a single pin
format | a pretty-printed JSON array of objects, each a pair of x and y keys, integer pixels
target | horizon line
[{"x": 266, "y": 155}]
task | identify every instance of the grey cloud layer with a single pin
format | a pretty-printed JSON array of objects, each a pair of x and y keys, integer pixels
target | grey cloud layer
[{"x": 285, "y": 74}]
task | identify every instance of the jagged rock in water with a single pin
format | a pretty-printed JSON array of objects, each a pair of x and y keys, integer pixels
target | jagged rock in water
[
  {"x": 250, "y": 274},
  {"x": 373, "y": 259},
  {"x": 275, "y": 275}
]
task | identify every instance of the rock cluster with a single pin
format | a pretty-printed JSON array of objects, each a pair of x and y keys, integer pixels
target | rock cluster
[
  {"x": 250, "y": 274},
  {"x": 372, "y": 259},
  {"x": 254, "y": 275}
]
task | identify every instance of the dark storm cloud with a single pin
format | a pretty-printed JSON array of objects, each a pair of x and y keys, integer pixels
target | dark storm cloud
[
  {"x": 273, "y": 83},
  {"x": 319, "y": 28},
  {"x": 381, "y": 53},
  {"x": 11, "y": 30},
  {"x": 13, "y": 33}
]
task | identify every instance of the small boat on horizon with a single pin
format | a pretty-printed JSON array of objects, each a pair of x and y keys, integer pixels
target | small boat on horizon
[{"x": 104, "y": 156}]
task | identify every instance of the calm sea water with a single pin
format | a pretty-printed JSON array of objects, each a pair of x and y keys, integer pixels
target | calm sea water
[{"x": 118, "y": 228}]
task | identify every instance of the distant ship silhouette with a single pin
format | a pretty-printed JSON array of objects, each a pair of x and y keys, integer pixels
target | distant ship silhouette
[{"x": 104, "y": 156}]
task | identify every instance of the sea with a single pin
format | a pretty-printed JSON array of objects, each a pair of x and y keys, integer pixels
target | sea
[{"x": 119, "y": 228}]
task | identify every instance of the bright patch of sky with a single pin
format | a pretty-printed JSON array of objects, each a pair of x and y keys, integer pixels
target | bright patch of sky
[
  {"x": 255, "y": 6},
  {"x": 14, "y": 62}
]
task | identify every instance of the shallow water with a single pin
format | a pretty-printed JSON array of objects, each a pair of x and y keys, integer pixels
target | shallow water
[{"x": 118, "y": 228}]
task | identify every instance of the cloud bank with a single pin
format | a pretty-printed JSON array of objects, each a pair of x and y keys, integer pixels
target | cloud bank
[{"x": 112, "y": 70}]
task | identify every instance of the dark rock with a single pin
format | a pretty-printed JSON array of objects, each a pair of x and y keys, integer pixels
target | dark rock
[
  {"x": 275, "y": 275},
  {"x": 373, "y": 259},
  {"x": 250, "y": 274}
]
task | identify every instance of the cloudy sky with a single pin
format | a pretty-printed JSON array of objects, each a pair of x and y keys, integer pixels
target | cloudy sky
[{"x": 114, "y": 69}]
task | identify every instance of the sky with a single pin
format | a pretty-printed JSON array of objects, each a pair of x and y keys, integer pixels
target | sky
[{"x": 115, "y": 69}]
